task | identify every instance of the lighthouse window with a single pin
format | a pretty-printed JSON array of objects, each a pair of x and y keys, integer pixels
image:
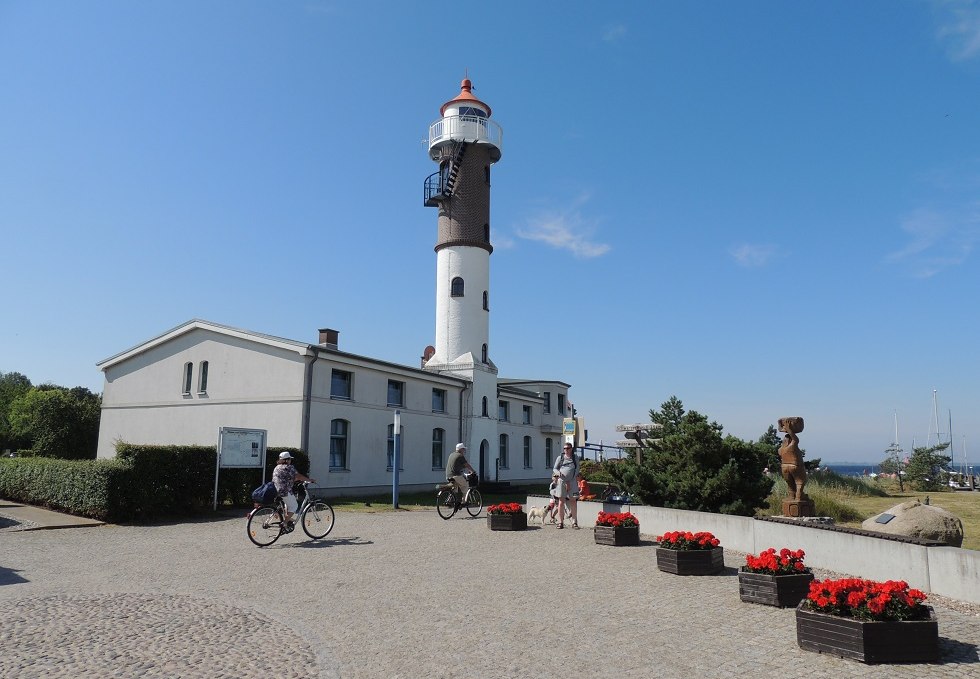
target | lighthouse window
[
  {"x": 486, "y": 300},
  {"x": 456, "y": 288},
  {"x": 471, "y": 111},
  {"x": 486, "y": 174},
  {"x": 486, "y": 232},
  {"x": 485, "y": 357}
]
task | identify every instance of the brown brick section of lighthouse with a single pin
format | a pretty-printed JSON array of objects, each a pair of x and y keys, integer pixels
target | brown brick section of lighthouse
[{"x": 462, "y": 217}]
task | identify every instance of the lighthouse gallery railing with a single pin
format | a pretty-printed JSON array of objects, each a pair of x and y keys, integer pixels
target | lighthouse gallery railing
[{"x": 466, "y": 128}]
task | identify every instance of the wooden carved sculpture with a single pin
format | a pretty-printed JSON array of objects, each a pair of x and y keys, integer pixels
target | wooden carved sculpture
[{"x": 791, "y": 458}]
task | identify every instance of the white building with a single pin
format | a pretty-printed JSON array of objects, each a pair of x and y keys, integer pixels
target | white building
[{"x": 182, "y": 386}]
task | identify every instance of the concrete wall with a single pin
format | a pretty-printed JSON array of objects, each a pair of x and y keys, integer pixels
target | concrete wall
[{"x": 947, "y": 571}]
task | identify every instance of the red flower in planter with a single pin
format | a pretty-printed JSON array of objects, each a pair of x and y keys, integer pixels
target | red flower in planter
[
  {"x": 867, "y": 599},
  {"x": 505, "y": 508},
  {"x": 688, "y": 541},
  {"x": 768, "y": 562},
  {"x": 617, "y": 519}
]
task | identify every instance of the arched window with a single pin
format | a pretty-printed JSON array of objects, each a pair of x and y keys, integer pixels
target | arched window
[
  {"x": 338, "y": 444},
  {"x": 484, "y": 354},
  {"x": 503, "y": 451},
  {"x": 188, "y": 377},
  {"x": 202, "y": 378},
  {"x": 456, "y": 288},
  {"x": 486, "y": 300},
  {"x": 486, "y": 412}
]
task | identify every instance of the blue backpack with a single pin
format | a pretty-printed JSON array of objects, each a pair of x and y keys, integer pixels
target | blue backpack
[{"x": 265, "y": 494}]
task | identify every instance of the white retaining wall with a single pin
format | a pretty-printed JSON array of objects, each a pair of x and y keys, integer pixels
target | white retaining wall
[{"x": 948, "y": 571}]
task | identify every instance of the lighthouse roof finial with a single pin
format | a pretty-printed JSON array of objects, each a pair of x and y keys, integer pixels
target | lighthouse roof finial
[{"x": 465, "y": 95}]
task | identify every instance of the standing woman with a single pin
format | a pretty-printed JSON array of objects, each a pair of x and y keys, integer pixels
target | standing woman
[{"x": 566, "y": 466}]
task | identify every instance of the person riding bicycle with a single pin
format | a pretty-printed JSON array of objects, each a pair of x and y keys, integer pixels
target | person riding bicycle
[
  {"x": 284, "y": 476},
  {"x": 455, "y": 468}
]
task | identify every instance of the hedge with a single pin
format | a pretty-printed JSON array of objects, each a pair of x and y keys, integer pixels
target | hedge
[{"x": 144, "y": 482}]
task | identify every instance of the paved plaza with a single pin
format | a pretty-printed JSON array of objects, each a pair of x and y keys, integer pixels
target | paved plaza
[{"x": 393, "y": 594}]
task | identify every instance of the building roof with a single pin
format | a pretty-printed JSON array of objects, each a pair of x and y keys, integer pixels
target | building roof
[
  {"x": 465, "y": 96},
  {"x": 301, "y": 348}
]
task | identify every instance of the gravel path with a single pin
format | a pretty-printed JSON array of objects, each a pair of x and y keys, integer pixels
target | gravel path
[{"x": 396, "y": 594}]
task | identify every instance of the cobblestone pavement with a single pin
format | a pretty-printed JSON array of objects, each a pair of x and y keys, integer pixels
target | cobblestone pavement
[{"x": 397, "y": 594}]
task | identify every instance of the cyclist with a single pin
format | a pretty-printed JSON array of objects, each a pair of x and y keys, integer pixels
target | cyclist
[
  {"x": 284, "y": 476},
  {"x": 455, "y": 468}
]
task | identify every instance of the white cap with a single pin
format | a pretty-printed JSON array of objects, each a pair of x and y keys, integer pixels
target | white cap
[
  {"x": 285, "y": 455},
  {"x": 460, "y": 446}
]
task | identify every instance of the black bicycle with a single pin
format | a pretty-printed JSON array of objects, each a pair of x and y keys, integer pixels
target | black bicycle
[
  {"x": 267, "y": 523},
  {"x": 450, "y": 498}
]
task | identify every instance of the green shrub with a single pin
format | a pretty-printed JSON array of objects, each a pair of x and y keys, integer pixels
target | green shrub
[
  {"x": 99, "y": 489},
  {"x": 828, "y": 501},
  {"x": 595, "y": 472},
  {"x": 849, "y": 485},
  {"x": 143, "y": 482}
]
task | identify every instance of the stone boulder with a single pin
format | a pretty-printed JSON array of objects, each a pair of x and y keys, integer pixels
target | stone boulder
[{"x": 916, "y": 520}]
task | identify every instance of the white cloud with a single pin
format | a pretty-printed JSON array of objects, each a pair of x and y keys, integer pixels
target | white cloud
[
  {"x": 960, "y": 28},
  {"x": 502, "y": 242},
  {"x": 753, "y": 256},
  {"x": 937, "y": 241},
  {"x": 565, "y": 231},
  {"x": 614, "y": 33}
]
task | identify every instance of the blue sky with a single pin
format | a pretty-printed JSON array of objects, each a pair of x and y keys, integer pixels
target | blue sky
[{"x": 765, "y": 208}]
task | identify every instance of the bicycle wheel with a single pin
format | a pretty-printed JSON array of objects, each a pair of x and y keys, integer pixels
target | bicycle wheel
[
  {"x": 317, "y": 519},
  {"x": 264, "y": 526},
  {"x": 446, "y": 504},
  {"x": 475, "y": 502}
]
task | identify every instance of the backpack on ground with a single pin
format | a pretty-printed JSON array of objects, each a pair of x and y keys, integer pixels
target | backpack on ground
[{"x": 265, "y": 494}]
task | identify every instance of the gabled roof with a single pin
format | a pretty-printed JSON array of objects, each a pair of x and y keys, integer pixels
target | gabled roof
[{"x": 198, "y": 324}]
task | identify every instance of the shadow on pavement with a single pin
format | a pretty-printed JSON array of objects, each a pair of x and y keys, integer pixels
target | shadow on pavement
[{"x": 8, "y": 576}]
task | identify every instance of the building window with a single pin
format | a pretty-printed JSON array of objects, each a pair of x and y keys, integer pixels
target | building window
[
  {"x": 438, "y": 400},
  {"x": 438, "y": 444},
  {"x": 503, "y": 411},
  {"x": 486, "y": 300},
  {"x": 547, "y": 401},
  {"x": 456, "y": 287},
  {"x": 338, "y": 444},
  {"x": 561, "y": 404},
  {"x": 486, "y": 407},
  {"x": 340, "y": 384},
  {"x": 202, "y": 378},
  {"x": 486, "y": 174},
  {"x": 486, "y": 232},
  {"x": 503, "y": 451},
  {"x": 396, "y": 393},
  {"x": 549, "y": 452},
  {"x": 391, "y": 448},
  {"x": 188, "y": 377},
  {"x": 527, "y": 414},
  {"x": 484, "y": 356},
  {"x": 527, "y": 452}
]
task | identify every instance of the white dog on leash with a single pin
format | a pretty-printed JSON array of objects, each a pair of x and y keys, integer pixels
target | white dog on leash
[{"x": 537, "y": 513}]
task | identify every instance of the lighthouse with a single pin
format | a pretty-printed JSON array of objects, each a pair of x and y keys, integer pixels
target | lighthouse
[{"x": 464, "y": 142}]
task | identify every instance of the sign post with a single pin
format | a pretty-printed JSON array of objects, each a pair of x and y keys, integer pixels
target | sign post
[{"x": 239, "y": 448}]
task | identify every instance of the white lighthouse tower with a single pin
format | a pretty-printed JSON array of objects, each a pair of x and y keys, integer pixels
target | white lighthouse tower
[{"x": 465, "y": 143}]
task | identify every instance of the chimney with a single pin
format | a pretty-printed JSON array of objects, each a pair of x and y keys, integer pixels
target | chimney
[{"x": 328, "y": 338}]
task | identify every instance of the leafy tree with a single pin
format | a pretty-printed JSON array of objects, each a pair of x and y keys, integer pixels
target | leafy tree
[
  {"x": 59, "y": 422},
  {"x": 893, "y": 464},
  {"x": 770, "y": 442},
  {"x": 926, "y": 467},
  {"x": 12, "y": 386},
  {"x": 693, "y": 466}
]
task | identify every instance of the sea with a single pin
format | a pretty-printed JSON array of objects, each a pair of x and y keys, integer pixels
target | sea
[{"x": 864, "y": 469}]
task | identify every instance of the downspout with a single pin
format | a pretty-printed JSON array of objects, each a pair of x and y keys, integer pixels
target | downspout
[
  {"x": 461, "y": 392},
  {"x": 307, "y": 402}
]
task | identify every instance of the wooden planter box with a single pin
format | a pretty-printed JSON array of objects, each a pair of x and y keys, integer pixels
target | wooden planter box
[
  {"x": 617, "y": 536},
  {"x": 784, "y": 591},
  {"x": 517, "y": 521},
  {"x": 691, "y": 562},
  {"x": 869, "y": 641}
]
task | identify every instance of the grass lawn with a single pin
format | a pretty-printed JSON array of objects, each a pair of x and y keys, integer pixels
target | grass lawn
[{"x": 964, "y": 504}]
